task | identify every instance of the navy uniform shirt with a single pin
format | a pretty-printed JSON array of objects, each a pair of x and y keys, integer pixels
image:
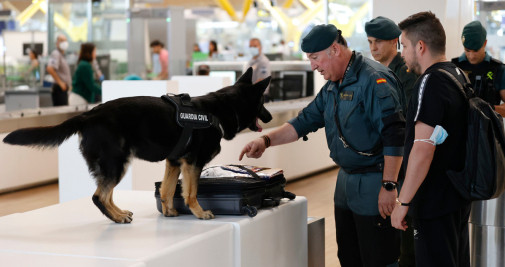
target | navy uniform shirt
[
  {"x": 497, "y": 79},
  {"x": 369, "y": 105}
]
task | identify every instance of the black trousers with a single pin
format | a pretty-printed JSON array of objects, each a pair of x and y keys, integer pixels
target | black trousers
[
  {"x": 60, "y": 97},
  {"x": 365, "y": 240},
  {"x": 407, "y": 255},
  {"x": 443, "y": 241}
]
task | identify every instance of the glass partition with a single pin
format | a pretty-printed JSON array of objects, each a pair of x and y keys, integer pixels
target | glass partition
[{"x": 492, "y": 16}]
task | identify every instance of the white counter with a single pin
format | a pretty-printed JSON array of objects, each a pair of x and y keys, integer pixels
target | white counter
[{"x": 75, "y": 233}]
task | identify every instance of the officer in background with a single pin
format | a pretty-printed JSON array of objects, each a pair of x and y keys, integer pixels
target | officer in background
[
  {"x": 486, "y": 74},
  {"x": 383, "y": 35},
  {"x": 360, "y": 109}
]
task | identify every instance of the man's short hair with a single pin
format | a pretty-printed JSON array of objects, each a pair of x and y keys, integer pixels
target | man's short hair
[
  {"x": 256, "y": 39},
  {"x": 156, "y": 43},
  {"x": 425, "y": 26}
]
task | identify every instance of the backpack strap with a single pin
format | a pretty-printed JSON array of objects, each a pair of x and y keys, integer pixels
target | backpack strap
[{"x": 466, "y": 93}]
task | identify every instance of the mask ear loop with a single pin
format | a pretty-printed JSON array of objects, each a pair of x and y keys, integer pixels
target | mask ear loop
[{"x": 429, "y": 141}]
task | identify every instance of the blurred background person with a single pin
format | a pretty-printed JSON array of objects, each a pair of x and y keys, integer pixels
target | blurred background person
[
  {"x": 33, "y": 72},
  {"x": 203, "y": 70},
  {"x": 59, "y": 69},
  {"x": 259, "y": 63},
  {"x": 160, "y": 60},
  {"x": 85, "y": 90},
  {"x": 213, "y": 52}
]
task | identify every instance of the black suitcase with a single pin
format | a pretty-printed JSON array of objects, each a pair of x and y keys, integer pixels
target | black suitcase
[{"x": 232, "y": 195}]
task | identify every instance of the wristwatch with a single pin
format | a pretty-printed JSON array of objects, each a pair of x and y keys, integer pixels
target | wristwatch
[
  {"x": 401, "y": 203},
  {"x": 389, "y": 185}
]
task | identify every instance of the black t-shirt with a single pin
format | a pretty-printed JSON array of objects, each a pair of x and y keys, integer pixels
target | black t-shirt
[{"x": 436, "y": 100}]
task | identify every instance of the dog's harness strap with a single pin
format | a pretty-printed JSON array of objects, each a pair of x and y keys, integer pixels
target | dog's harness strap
[{"x": 189, "y": 119}]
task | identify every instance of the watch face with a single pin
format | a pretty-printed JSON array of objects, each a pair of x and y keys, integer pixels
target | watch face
[{"x": 389, "y": 186}]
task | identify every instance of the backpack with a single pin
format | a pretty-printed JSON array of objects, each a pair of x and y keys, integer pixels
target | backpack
[{"x": 483, "y": 176}]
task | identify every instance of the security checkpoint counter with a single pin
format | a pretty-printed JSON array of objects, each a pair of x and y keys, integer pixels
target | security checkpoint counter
[{"x": 75, "y": 233}]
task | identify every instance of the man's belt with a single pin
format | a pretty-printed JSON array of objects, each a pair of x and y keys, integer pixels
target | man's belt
[{"x": 374, "y": 168}]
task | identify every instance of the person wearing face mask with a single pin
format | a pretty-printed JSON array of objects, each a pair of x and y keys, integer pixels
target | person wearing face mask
[
  {"x": 486, "y": 74},
  {"x": 361, "y": 110},
  {"x": 259, "y": 62},
  {"x": 59, "y": 69},
  {"x": 435, "y": 136}
]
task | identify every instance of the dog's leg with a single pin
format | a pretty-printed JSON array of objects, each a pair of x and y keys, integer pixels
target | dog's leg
[
  {"x": 167, "y": 189},
  {"x": 103, "y": 200},
  {"x": 191, "y": 174}
]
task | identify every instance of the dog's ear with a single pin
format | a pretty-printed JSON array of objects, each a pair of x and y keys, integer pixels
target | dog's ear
[
  {"x": 263, "y": 84},
  {"x": 246, "y": 77}
]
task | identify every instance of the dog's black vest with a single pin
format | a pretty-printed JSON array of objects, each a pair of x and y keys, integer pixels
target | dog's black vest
[{"x": 189, "y": 118}]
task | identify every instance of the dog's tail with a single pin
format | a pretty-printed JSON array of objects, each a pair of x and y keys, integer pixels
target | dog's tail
[{"x": 45, "y": 137}]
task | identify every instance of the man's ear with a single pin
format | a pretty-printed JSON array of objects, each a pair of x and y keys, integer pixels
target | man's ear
[
  {"x": 421, "y": 47},
  {"x": 335, "y": 48}
]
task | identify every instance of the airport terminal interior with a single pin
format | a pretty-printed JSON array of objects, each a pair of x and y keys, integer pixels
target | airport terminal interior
[{"x": 208, "y": 46}]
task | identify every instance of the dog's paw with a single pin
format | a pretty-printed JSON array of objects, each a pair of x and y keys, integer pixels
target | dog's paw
[
  {"x": 126, "y": 217},
  {"x": 206, "y": 215},
  {"x": 128, "y": 213},
  {"x": 171, "y": 213}
]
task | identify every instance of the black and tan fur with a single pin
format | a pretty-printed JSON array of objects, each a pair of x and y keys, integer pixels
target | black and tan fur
[{"x": 145, "y": 127}]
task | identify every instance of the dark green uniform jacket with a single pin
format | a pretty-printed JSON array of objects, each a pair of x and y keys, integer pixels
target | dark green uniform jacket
[
  {"x": 369, "y": 105},
  {"x": 406, "y": 77}
]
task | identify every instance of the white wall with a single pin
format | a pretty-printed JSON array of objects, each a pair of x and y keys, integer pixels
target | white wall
[
  {"x": 21, "y": 166},
  {"x": 454, "y": 15},
  {"x": 14, "y": 42}
]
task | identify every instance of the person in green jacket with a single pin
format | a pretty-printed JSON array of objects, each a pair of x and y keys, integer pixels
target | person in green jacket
[{"x": 85, "y": 90}]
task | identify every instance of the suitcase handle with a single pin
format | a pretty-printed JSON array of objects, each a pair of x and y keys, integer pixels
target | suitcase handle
[{"x": 253, "y": 174}]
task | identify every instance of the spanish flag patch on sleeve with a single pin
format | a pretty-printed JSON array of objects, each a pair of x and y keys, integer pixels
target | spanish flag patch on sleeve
[{"x": 381, "y": 80}]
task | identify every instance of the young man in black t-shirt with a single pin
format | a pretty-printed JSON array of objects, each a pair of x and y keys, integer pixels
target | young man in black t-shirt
[{"x": 440, "y": 215}]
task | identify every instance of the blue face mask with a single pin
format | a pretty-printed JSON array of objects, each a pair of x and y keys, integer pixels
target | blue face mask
[{"x": 437, "y": 137}]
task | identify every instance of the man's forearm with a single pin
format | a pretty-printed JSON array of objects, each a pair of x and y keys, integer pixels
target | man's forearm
[
  {"x": 286, "y": 133},
  {"x": 418, "y": 166},
  {"x": 392, "y": 166}
]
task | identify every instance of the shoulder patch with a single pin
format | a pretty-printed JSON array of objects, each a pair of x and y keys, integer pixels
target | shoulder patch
[{"x": 381, "y": 80}]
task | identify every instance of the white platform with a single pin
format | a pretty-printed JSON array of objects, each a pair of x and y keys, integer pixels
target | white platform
[{"x": 75, "y": 233}]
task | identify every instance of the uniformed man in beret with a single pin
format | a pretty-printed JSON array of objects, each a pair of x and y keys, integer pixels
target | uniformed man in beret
[
  {"x": 383, "y": 35},
  {"x": 360, "y": 109},
  {"x": 486, "y": 74}
]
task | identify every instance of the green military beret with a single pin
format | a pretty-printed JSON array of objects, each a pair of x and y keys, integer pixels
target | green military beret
[
  {"x": 382, "y": 28},
  {"x": 473, "y": 36},
  {"x": 320, "y": 38}
]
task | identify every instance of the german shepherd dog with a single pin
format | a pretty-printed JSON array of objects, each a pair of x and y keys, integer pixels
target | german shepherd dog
[{"x": 146, "y": 127}]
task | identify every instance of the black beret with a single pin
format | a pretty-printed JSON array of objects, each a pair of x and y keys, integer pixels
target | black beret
[
  {"x": 319, "y": 38},
  {"x": 473, "y": 36},
  {"x": 382, "y": 28}
]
